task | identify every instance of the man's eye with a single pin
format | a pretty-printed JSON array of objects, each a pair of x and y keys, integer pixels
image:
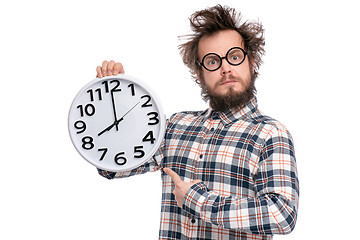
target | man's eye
[{"x": 212, "y": 62}]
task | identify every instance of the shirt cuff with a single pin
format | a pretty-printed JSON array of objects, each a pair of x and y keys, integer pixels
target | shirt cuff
[{"x": 194, "y": 198}]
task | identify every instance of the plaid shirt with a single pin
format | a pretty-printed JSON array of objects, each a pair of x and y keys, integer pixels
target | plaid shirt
[{"x": 246, "y": 163}]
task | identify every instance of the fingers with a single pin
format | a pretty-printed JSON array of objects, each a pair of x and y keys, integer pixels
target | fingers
[
  {"x": 104, "y": 68},
  {"x": 181, "y": 187},
  {"x": 118, "y": 68},
  {"x": 173, "y": 175},
  {"x": 109, "y": 69}
]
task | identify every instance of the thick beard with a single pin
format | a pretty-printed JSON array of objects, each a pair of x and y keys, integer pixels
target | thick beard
[{"x": 232, "y": 99}]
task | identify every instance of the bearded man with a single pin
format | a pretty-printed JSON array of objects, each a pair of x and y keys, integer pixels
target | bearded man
[{"x": 228, "y": 172}]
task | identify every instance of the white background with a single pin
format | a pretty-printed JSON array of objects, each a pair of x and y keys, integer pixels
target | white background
[{"x": 50, "y": 49}]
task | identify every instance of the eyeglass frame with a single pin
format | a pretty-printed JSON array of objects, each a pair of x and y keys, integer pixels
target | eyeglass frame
[{"x": 221, "y": 59}]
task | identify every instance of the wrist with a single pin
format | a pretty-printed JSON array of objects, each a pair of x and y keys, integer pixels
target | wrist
[{"x": 194, "y": 198}]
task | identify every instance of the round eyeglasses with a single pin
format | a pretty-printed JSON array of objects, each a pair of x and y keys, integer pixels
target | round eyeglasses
[{"x": 212, "y": 61}]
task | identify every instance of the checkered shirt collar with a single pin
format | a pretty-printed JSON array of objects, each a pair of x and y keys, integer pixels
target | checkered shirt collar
[{"x": 232, "y": 115}]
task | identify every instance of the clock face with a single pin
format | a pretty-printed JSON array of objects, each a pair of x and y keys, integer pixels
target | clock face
[{"x": 116, "y": 123}]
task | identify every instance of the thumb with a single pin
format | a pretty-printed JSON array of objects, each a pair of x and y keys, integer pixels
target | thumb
[{"x": 176, "y": 178}]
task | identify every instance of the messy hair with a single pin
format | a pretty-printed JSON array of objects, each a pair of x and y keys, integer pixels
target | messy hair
[{"x": 212, "y": 20}]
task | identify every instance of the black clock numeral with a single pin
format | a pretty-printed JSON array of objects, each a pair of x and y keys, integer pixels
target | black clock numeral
[
  {"x": 132, "y": 87},
  {"x": 117, "y": 84},
  {"x": 115, "y": 88},
  {"x": 120, "y": 160},
  {"x": 138, "y": 152},
  {"x": 149, "y": 137},
  {"x": 106, "y": 84},
  {"x": 80, "y": 125},
  {"x": 89, "y": 110},
  {"x": 147, "y": 103},
  {"x": 104, "y": 150},
  {"x": 87, "y": 143},
  {"x": 154, "y": 118},
  {"x": 91, "y": 92}
]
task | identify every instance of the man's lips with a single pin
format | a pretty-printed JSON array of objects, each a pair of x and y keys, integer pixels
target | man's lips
[{"x": 228, "y": 80}]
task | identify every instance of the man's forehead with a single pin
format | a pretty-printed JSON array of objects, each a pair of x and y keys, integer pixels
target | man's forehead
[{"x": 220, "y": 42}]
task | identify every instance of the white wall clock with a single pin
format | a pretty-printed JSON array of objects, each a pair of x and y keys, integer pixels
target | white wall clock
[{"x": 116, "y": 123}]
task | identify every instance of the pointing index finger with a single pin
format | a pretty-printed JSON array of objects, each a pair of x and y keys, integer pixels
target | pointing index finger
[{"x": 176, "y": 178}]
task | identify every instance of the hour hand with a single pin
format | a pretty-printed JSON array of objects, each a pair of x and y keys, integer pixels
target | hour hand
[
  {"x": 106, "y": 129},
  {"x": 110, "y": 127}
]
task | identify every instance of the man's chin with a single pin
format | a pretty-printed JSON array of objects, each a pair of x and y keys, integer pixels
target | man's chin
[{"x": 231, "y": 99}]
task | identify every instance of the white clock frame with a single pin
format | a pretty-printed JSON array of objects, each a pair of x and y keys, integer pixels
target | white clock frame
[{"x": 102, "y": 137}]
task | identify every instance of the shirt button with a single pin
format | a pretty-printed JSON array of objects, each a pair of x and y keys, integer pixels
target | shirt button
[
  {"x": 193, "y": 220},
  {"x": 201, "y": 156},
  {"x": 216, "y": 116}
]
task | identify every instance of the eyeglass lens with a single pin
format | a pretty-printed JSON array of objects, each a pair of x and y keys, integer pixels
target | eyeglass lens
[{"x": 234, "y": 56}]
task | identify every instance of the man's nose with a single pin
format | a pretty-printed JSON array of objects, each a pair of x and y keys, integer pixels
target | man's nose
[{"x": 225, "y": 67}]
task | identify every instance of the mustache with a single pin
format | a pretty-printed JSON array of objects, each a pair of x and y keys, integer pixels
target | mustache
[{"x": 228, "y": 77}]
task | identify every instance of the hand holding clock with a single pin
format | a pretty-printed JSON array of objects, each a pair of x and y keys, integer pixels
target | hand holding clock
[{"x": 111, "y": 68}]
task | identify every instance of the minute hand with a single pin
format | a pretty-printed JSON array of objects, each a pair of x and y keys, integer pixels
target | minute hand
[
  {"x": 116, "y": 123},
  {"x": 114, "y": 108}
]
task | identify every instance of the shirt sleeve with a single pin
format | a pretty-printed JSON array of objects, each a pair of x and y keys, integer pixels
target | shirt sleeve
[{"x": 274, "y": 208}]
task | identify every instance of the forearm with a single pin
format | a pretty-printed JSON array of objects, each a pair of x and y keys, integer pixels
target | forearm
[
  {"x": 266, "y": 215},
  {"x": 150, "y": 166}
]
